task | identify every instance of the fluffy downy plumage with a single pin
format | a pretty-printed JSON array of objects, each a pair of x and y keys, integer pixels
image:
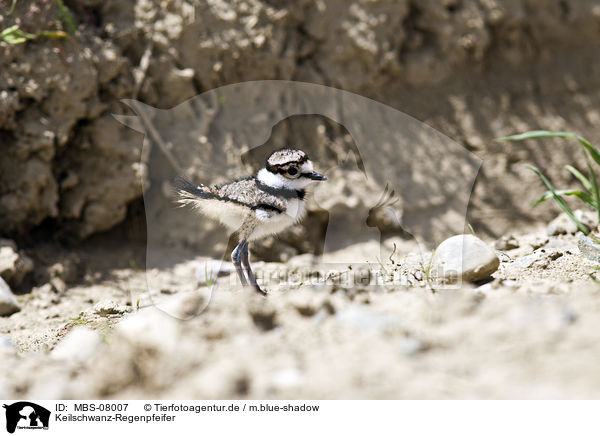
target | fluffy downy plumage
[{"x": 256, "y": 206}]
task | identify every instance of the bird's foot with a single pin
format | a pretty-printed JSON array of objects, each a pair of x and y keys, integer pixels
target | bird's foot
[{"x": 260, "y": 290}]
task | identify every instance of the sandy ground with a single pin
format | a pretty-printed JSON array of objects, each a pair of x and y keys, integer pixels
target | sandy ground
[
  {"x": 473, "y": 70},
  {"x": 528, "y": 333}
]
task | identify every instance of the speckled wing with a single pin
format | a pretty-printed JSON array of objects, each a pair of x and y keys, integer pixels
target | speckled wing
[{"x": 246, "y": 192}]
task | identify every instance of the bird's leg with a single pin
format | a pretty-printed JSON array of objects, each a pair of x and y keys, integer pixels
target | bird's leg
[
  {"x": 246, "y": 263},
  {"x": 236, "y": 257}
]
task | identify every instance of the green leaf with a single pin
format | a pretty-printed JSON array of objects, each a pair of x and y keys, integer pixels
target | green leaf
[
  {"x": 12, "y": 7},
  {"x": 14, "y": 35},
  {"x": 57, "y": 34},
  {"x": 563, "y": 205},
  {"x": 536, "y": 134},
  {"x": 593, "y": 151},
  {"x": 9, "y": 30},
  {"x": 65, "y": 16},
  {"x": 594, "y": 181},
  {"x": 471, "y": 229},
  {"x": 583, "y": 196},
  {"x": 584, "y": 180}
]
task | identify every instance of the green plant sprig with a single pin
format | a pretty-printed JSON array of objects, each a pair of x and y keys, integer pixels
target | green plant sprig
[
  {"x": 589, "y": 195},
  {"x": 14, "y": 35},
  {"x": 66, "y": 17}
]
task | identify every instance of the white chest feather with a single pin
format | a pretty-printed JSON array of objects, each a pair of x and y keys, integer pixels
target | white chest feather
[{"x": 270, "y": 223}]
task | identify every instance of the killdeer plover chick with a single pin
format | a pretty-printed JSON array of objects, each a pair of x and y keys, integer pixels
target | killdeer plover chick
[{"x": 256, "y": 206}]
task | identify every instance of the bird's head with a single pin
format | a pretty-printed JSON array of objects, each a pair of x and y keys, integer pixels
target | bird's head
[{"x": 290, "y": 169}]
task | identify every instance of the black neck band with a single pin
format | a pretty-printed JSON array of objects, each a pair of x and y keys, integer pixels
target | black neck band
[{"x": 282, "y": 191}]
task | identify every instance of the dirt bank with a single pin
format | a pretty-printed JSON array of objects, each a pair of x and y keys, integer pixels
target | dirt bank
[{"x": 474, "y": 70}]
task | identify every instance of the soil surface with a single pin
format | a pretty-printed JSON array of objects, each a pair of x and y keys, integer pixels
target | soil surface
[{"x": 527, "y": 333}]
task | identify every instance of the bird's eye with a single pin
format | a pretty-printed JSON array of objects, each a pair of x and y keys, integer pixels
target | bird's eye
[{"x": 292, "y": 171}]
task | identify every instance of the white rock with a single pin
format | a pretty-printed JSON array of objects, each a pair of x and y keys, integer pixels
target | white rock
[
  {"x": 287, "y": 378},
  {"x": 79, "y": 345},
  {"x": 8, "y": 302},
  {"x": 527, "y": 261},
  {"x": 508, "y": 242},
  {"x": 14, "y": 265},
  {"x": 410, "y": 345},
  {"x": 186, "y": 305},
  {"x": 562, "y": 224},
  {"x": 589, "y": 248},
  {"x": 6, "y": 342},
  {"x": 149, "y": 328},
  {"x": 464, "y": 257}
]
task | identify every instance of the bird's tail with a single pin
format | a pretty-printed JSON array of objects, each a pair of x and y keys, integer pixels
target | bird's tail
[{"x": 188, "y": 193}]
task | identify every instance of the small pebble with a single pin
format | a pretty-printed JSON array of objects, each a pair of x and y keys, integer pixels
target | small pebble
[
  {"x": 14, "y": 265},
  {"x": 8, "y": 302},
  {"x": 507, "y": 243},
  {"x": 562, "y": 224},
  {"x": 589, "y": 248}
]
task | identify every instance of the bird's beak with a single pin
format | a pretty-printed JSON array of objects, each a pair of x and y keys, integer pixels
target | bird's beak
[{"x": 316, "y": 176}]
